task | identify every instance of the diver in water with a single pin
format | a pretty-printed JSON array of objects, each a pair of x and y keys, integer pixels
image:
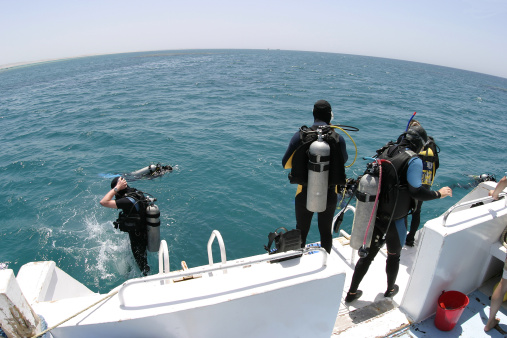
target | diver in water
[
  {"x": 296, "y": 158},
  {"x": 130, "y": 219},
  {"x": 401, "y": 182},
  {"x": 153, "y": 170},
  {"x": 484, "y": 178}
]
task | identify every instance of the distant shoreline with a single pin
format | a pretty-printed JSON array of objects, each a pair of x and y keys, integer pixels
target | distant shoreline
[{"x": 31, "y": 63}]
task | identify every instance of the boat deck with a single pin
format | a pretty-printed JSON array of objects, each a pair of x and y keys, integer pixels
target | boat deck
[{"x": 373, "y": 315}]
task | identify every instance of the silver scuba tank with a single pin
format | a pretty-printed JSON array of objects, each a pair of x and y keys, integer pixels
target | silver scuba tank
[
  {"x": 145, "y": 171},
  {"x": 153, "y": 227},
  {"x": 365, "y": 206},
  {"x": 318, "y": 174}
]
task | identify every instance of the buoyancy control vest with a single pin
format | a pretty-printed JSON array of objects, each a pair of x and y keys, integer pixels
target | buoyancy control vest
[
  {"x": 394, "y": 200},
  {"x": 135, "y": 217},
  {"x": 143, "y": 216},
  {"x": 429, "y": 157},
  {"x": 299, "y": 172}
]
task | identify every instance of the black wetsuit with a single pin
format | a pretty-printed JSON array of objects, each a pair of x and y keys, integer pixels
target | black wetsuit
[
  {"x": 138, "y": 238},
  {"x": 303, "y": 215},
  {"x": 409, "y": 171},
  {"x": 430, "y": 166}
]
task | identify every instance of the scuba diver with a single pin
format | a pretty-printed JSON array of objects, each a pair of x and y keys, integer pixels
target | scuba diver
[
  {"x": 132, "y": 219},
  {"x": 153, "y": 170},
  {"x": 430, "y": 160},
  {"x": 317, "y": 186},
  {"x": 400, "y": 184},
  {"x": 149, "y": 172}
]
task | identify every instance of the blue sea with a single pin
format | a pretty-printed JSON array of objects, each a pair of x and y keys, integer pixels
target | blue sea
[{"x": 222, "y": 119}]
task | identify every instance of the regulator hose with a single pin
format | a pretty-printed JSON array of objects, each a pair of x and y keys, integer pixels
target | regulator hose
[{"x": 349, "y": 128}]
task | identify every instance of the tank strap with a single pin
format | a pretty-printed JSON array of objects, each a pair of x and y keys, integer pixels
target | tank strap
[
  {"x": 317, "y": 167},
  {"x": 318, "y": 158},
  {"x": 363, "y": 197}
]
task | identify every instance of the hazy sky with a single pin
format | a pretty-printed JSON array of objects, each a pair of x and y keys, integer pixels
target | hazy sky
[{"x": 465, "y": 34}]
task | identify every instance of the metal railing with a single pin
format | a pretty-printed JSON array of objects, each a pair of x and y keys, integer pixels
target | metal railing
[
  {"x": 464, "y": 204},
  {"x": 216, "y": 234},
  {"x": 163, "y": 258}
]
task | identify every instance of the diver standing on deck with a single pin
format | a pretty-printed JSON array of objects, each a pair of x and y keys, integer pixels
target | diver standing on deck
[
  {"x": 401, "y": 182},
  {"x": 131, "y": 210},
  {"x": 296, "y": 158},
  {"x": 431, "y": 162}
]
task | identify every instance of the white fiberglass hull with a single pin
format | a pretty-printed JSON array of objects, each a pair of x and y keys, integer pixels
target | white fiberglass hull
[{"x": 297, "y": 298}]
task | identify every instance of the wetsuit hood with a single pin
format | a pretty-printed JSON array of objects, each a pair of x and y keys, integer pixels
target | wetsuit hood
[{"x": 417, "y": 138}]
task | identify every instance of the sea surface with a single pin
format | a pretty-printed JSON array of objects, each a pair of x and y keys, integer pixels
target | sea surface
[{"x": 222, "y": 119}]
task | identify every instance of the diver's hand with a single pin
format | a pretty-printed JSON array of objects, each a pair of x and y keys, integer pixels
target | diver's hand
[
  {"x": 445, "y": 191},
  {"x": 492, "y": 194},
  {"x": 500, "y": 186},
  {"x": 121, "y": 184}
]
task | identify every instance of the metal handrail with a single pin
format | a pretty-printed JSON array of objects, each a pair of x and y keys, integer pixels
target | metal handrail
[
  {"x": 163, "y": 258},
  {"x": 216, "y": 267},
  {"x": 216, "y": 234},
  {"x": 478, "y": 200},
  {"x": 342, "y": 211}
]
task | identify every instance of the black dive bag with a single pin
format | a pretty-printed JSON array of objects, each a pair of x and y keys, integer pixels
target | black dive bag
[{"x": 284, "y": 240}]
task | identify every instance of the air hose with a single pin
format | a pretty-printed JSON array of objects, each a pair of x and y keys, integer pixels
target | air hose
[{"x": 349, "y": 128}]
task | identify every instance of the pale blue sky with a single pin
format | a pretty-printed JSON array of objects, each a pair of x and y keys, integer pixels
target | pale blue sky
[{"x": 465, "y": 34}]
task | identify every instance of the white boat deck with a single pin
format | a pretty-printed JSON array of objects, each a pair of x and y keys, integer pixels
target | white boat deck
[
  {"x": 373, "y": 315},
  {"x": 372, "y": 307}
]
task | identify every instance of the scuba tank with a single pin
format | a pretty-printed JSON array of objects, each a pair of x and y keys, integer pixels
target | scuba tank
[
  {"x": 366, "y": 209},
  {"x": 145, "y": 171},
  {"x": 318, "y": 174},
  {"x": 153, "y": 226}
]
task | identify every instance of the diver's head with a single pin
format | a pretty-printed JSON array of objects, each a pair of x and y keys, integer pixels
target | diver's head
[
  {"x": 414, "y": 123},
  {"x": 417, "y": 138},
  {"x": 322, "y": 111},
  {"x": 114, "y": 182}
]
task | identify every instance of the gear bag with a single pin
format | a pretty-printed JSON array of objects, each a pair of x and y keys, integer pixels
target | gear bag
[{"x": 284, "y": 240}]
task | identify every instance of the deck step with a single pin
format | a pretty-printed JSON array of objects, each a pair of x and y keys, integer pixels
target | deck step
[{"x": 377, "y": 319}]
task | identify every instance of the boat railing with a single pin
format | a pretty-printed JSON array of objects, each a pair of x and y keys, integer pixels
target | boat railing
[
  {"x": 217, "y": 267},
  {"x": 471, "y": 202},
  {"x": 343, "y": 232},
  {"x": 216, "y": 234},
  {"x": 163, "y": 257}
]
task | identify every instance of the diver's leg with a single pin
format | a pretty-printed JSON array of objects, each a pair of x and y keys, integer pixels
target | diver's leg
[
  {"x": 303, "y": 216},
  {"x": 414, "y": 224},
  {"x": 363, "y": 264},
  {"x": 395, "y": 238},
  {"x": 497, "y": 300},
  {"x": 138, "y": 243},
  {"x": 325, "y": 220}
]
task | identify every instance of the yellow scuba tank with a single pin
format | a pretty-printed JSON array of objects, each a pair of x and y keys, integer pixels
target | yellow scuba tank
[
  {"x": 318, "y": 174},
  {"x": 153, "y": 227}
]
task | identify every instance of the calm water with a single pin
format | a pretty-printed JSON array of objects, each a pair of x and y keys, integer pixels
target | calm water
[{"x": 223, "y": 118}]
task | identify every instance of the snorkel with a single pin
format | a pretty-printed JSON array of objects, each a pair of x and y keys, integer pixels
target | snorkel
[{"x": 410, "y": 120}]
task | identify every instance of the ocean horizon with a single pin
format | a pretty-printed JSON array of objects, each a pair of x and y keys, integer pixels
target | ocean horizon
[{"x": 64, "y": 58}]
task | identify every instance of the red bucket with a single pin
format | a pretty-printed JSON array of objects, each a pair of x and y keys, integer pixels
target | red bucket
[{"x": 450, "y": 307}]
